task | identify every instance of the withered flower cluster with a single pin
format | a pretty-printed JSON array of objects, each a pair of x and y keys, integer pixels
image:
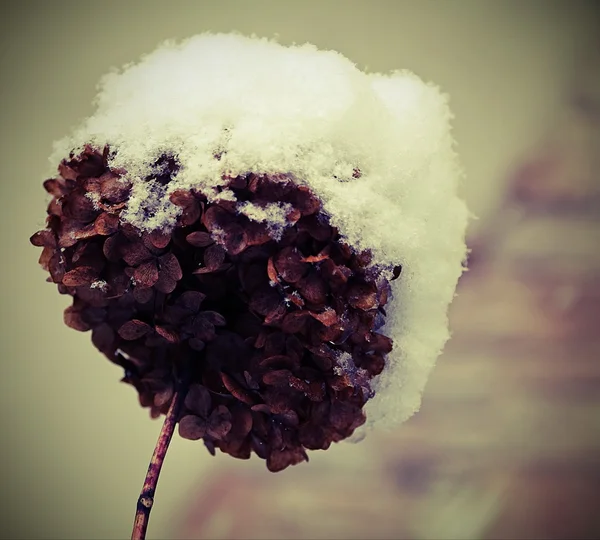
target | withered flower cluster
[{"x": 277, "y": 339}]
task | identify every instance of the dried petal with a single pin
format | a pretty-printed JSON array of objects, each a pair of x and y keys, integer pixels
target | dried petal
[
  {"x": 271, "y": 272},
  {"x": 199, "y": 239},
  {"x": 328, "y": 317},
  {"x": 362, "y": 297},
  {"x": 146, "y": 274},
  {"x": 280, "y": 377},
  {"x": 136, "y": 253},
  {"x": 295, "y": 322},
  {"x": 134, "y": 329},
  {"x": 213, "y": 317},
  {"x": 113, "y": 189},
  {"x": 82, "y": 275},
  {"x": 191, "y": 427},
  {"x": 56, "y": 187},
  {"x": 235, "y": 239},
  {"x": 106, "y": 224},
  {"x": 73, "y": 318},
  {"x": 219, "y": 423},
  {"x": 289, "y": 265},
  {"x": 236, "y": 390},
  {"x": 170, "y": 335},
  {"x": 45, "y": 238},
  {"x": 191, "y": 300},
  {"x": 214, "y": 257},
  {"x": 198, "y": 400}
]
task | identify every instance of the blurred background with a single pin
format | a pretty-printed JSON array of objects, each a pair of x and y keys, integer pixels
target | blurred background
[{"x": 507, "y": 442}]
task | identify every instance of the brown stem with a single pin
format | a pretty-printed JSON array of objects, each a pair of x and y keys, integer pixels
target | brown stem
[{"x": 146, "y": 499}]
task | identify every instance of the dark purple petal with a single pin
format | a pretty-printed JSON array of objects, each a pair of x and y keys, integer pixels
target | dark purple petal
[
  {"x": 199, "y": 239},
  {"x": 134, "y": 329},
  {"x": 146, "y": 274},
  {"x": 191, "y": 427},
  {"x": 198, "y": 400},
  {"x": 135, "y": 254}
]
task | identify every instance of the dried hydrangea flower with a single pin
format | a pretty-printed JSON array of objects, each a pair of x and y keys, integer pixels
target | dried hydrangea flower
[{"x": 267, "y": 241}]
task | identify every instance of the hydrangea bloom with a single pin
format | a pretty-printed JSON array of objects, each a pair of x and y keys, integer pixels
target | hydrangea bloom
[{"x": 269, "y": 223}]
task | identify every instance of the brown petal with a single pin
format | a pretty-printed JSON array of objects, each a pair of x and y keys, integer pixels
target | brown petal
[
  {"x": 82, "y": 232},
  {"x": 295, "y": 299},
  {"x": 103, "y": 338},
  {"x": 56, "y": 187},
  {"x": 191, "y": 427},
  {"x": 45, "y": 238},
  {"x": 106, "y": 224},
  {"x": 203, "y": 329},
  {"x": 241, "y": 422},
  {"x": 165, "y": 284},
  {"x": 111, "y": 248},
  {"x": 191, "y": 300},
  {"x": 216, "y": 218},
  {"x": 295, "y": 322},
  {"x": 379, "y": 343},
  {"x": 136, "y": 253},
  {"x": 236, "y": 389},
  {"x": 327, "y": 318},
  {"x": 312, "y": 437},
  {"x": 383, "y": 293},
  {"x": 163, "y": 396},
  {"x": 280, "y": 459},
  {"x": 214, "y": 257},
  {"x": 373, "y": 363},
  {"x": 219, "y": 423},
  {"x": 276, "y": 315},
  {"x": 189, "y": 215},
  {"x": 257, "y": 233},
  {"x": 198, "y": 400},
  {"x": 113, "y": 189},
  {"x": 79, "y": 207},
  {"x": 67, "y": 172},
  {"x": 143, "y": 295},
  {"x": 313, "y": 288},
  {"x": 146, "y": 274},
  {"x": 213, "y": 317},
  {"x": 262, "y": 408},
  {"x": 316, "y": 227},
  {"x": 271, "y": 272},
  {"x": 199, "y": 239},
  {"x": 362, "y": 297},
  {"x": 169, "y": 265},
  {"x": 335, "y": 274},
  {"x": 134, "y": 329},
  {"x": 235, "y": 239},
  {"x": 265, "y": 301},
  {"x": 306, "y": 201},
  {"x": 159, "y": 239},
  {"x": 73, "y": 319},
  {"x": 182, "y": 198},
  {"x": 170, "y": 335},
  {"x": 289, "y": 265},
  {"x": 280, "y": 377},
  {"x": 278, "y": 362},
  {"x": 82, "y": 275},
  {"x": 319, "y": 257}
]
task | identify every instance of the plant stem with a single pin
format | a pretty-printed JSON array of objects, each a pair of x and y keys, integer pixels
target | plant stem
[{"x": 146, "y": 499}]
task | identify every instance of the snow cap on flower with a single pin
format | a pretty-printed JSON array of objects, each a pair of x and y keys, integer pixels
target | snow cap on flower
[{"x": 375, "y": 149}]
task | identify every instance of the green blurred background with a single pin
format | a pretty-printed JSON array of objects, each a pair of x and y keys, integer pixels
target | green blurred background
[{"x": 506, "y": 444}]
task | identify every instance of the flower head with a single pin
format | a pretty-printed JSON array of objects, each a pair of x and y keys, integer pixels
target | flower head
[{"x": 289, "y": 250}]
